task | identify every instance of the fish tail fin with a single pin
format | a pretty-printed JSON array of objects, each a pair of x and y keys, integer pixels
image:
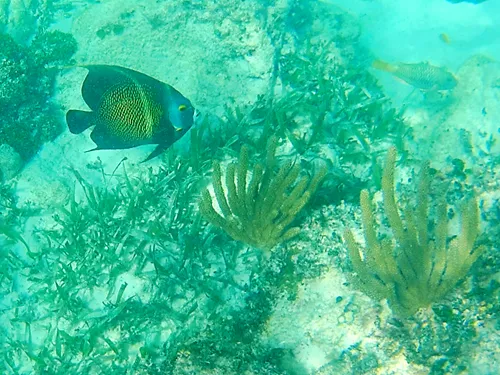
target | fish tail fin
[
  {"x": 382, "y": 65},
  {"x": 78, "y": 121}
]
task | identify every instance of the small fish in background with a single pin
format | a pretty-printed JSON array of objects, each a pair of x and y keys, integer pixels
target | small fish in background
[
  {"x": 423, "y": 76},
  {"x": 445, "y": 38},
  {"x": 130, "y": 109}
]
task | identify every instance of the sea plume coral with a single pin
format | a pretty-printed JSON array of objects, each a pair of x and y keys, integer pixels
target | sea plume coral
[
  {"x": 259, "y": 210},
  {"x": 417, "y": 266}
]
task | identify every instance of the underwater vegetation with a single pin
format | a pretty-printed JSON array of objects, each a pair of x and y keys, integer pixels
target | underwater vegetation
[
  {"x": 330, "y": 116},
  {"x": 259, "y": 211},
  {"x": 28, "y": 117},
  {"x": 195, "y": 296},
  {"x": 12, "y": 219},
  {"x": 134, "y": 275},
  {"x": 416, "y": 267}
]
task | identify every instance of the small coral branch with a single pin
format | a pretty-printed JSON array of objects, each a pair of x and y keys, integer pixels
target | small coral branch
[
  {"x": 416, "y": 267},
  {"x": 258, "y": 208}
]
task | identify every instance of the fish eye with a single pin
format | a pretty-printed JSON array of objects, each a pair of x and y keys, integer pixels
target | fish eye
[{"x": 182, "y": 107}]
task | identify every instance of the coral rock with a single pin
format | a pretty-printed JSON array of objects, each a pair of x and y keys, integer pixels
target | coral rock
[{"x": 10, "y": 162}]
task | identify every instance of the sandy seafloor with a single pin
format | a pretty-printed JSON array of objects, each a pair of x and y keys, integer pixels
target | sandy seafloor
[{"x": 213, "y": 70}]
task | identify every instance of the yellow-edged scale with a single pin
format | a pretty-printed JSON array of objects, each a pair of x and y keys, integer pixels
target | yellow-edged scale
[{"x": 130, "y": 109}]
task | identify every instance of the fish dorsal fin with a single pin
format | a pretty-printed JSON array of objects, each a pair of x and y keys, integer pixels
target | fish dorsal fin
[{"x": 101, "y": 78}]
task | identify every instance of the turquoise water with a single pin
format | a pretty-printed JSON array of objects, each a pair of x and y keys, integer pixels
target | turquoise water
[{"x": 324, "y": 199}]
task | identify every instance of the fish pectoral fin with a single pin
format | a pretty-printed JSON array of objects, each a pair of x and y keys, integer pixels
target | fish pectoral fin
[
  {"x": 78, "y": 121},
  {"x": 93, "y": 149},
  {"x": 157, "y": 151},
  {"x": 401, "y": 80}
]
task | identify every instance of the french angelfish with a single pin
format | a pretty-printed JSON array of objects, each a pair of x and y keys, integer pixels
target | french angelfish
[
  {"x": 130, "y": 109},
  {"x": 422, "y": 76}
]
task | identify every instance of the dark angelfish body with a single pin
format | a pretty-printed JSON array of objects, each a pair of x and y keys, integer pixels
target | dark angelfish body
[{"x": 130, "y": 109}]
